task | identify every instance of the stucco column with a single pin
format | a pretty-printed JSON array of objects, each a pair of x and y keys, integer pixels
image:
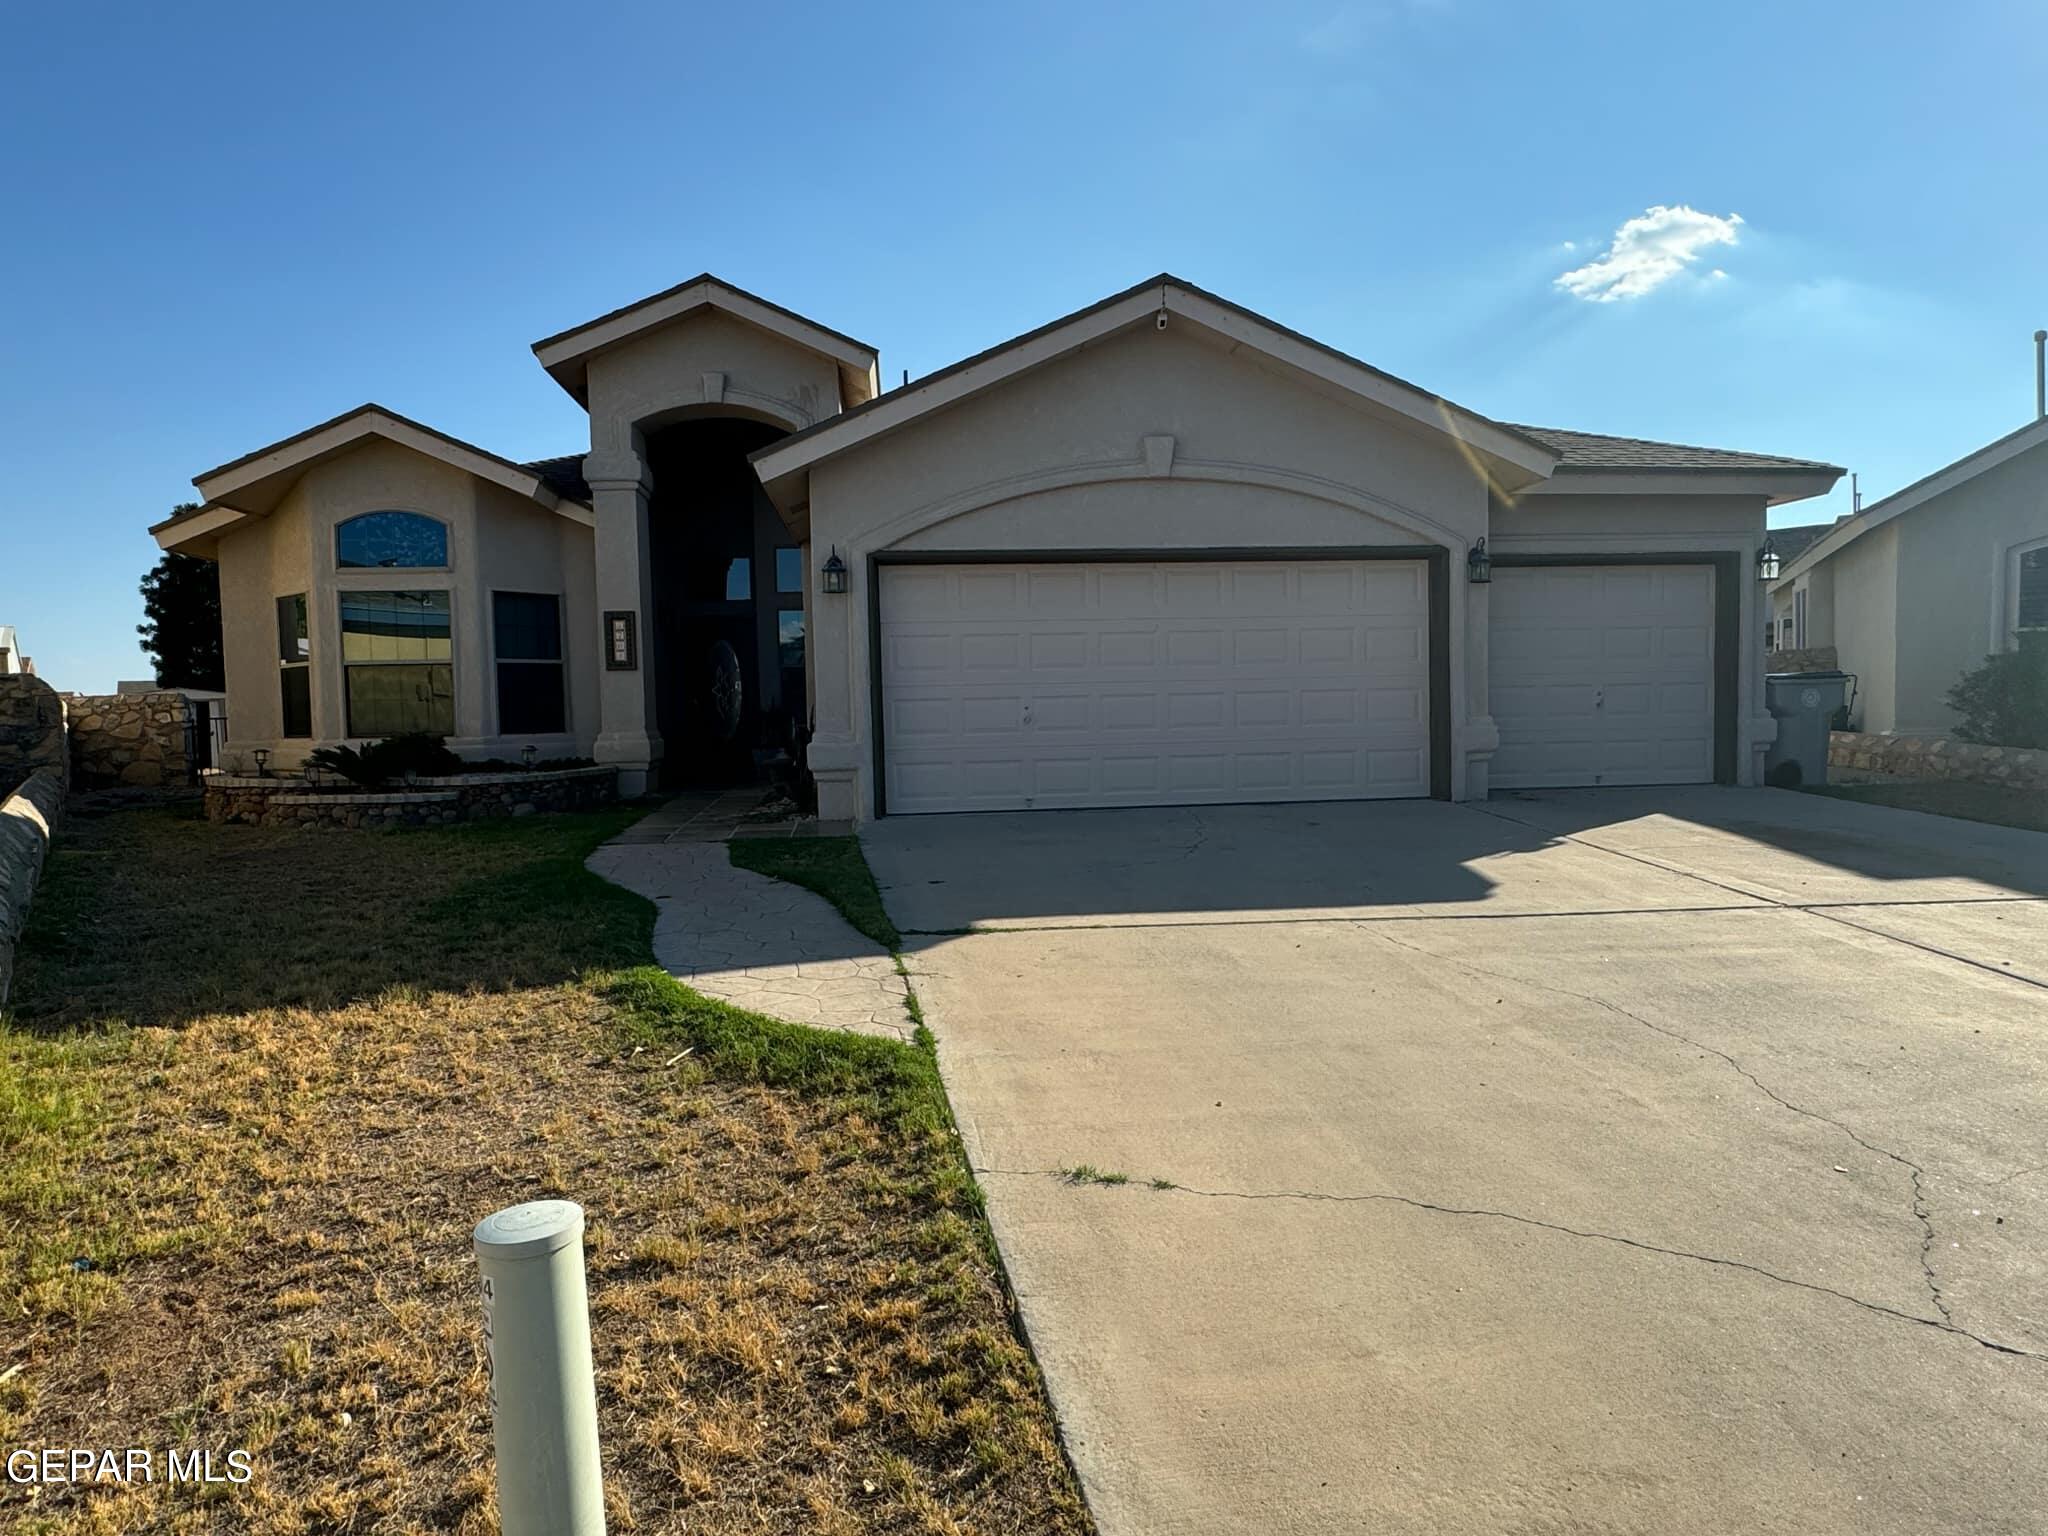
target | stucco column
[{"x": 626, "y": 733}]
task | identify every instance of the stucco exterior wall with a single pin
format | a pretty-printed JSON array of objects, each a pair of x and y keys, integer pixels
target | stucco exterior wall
[
  {"x": 1955, "y": 555},
  {"x": 496, "y": 540},
  {"x": 1866, "y": 624},
  {"x": 711, "y": 362},
  {"x": 1151, "y": 440},
  {"x": 1568, "y": 522}
]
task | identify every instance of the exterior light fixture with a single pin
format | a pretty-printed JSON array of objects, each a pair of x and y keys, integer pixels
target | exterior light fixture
[
  {"x": 262, "y": 756},
  {"x": 527, "y": 754},
  {"x": 834, "y": 573},
  {"x": 1767, "y": 562},
  {"x": 1479, "y": 564}
]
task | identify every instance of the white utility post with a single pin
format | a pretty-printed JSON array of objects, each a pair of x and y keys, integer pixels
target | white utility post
[{"x": 543, "y": 1392}]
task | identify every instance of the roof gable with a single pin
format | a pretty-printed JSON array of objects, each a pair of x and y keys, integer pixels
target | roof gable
[
  {"x": 1948, "y": 478},
  {"x": 253, "y": 485},
  {"x": 566, "y": 354},
  {"x": 1505, "y": 455}
]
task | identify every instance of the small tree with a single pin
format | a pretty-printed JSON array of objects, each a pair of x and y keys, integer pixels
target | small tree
[
  {"x": 2004, "y": 703},
  {"x": 181, "y": 603}
]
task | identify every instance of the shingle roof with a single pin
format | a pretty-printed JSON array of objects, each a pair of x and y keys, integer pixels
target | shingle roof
[
  {"x": 1591, "y": 450},
  {"x": 563, "y": 476}
]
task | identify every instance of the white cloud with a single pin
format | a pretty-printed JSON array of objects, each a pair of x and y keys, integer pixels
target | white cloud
[{"x": 1648, "y": 251}]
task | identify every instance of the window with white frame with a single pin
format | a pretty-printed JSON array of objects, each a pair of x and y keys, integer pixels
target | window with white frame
[{"x": 294, "y": 669}]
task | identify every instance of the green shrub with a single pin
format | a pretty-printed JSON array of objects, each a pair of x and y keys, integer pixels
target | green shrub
[
  {"x": 379, "y": 762},
  {"x": 2004, "y": 703}
]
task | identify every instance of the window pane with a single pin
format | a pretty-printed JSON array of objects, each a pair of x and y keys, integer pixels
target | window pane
[
  {"x": 528, "y": 626},
  {"x": 389, "y": 701},
  {"x": 530, "y": 698},
  {"x": 739, "y": 581},
  {"x": 789, "y": 638},
  {"x": 395, "y": 626},
  {"x": 391, "y": 538},
  {"x": 789, "y": 570},
  {"x": 291, "y": 628},
  {"x": 2034, "y": 589},
  {"x": 295, "y": 688}
]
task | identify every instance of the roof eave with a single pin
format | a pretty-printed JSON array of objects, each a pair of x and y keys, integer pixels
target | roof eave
[{"x": 1774, "y": 486}]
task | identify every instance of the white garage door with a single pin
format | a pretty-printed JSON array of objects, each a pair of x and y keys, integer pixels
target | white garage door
[
  {"x": 1011, "y": 687},
  {"x": 1602, "y": 675}
]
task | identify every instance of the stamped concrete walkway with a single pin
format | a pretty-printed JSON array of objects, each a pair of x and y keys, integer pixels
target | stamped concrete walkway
[{"x": 749, "y": 940}]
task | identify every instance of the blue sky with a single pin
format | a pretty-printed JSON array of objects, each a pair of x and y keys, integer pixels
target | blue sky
[{"x": 224, "y": 223}]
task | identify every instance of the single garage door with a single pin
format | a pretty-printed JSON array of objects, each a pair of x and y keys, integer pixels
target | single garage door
[
  {"x": 1602, "y": 675},
  {"x": 1008, "y": 687}
]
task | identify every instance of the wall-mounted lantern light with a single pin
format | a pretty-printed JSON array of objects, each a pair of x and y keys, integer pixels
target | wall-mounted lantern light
[
  {"x": 834, "y": 573},
  {"x": 1767, "y": 562},
  {"x": 1479, "y": 564}
]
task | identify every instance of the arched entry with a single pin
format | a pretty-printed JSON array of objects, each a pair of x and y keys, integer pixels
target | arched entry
[{"x": 727, "y": 629}]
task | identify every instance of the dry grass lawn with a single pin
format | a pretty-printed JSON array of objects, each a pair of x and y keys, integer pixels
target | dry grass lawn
[{"x": 262, "y": 1084}]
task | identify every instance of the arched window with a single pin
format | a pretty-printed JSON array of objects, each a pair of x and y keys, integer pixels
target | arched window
[{"x": 403, "y": 539}]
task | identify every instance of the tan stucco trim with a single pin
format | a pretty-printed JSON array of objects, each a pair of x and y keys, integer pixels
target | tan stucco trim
[
  {"x": 566, "y": 354},
  {"x": 1940, "y": 483},
  {"x": 1508, "y": 458},
  {"x": 257, "y": 482}
]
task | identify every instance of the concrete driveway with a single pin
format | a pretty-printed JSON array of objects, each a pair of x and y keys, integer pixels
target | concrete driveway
[{"x": 1605, "y": 1161}]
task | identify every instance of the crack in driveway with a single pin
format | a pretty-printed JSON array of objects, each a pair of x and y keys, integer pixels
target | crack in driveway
[
  {"x": 1914, "y": 1171},
  {"x": 1942, "y": 1324}
]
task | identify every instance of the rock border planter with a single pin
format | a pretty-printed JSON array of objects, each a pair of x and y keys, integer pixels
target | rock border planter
[
  {"x": 1938, "y": 757},
  {"x": 235, "y": 799}
]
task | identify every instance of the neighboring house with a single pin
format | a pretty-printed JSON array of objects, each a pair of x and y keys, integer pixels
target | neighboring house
[
  {"x": 12, "y": 662},
  {"x": 1161, "y": 551},
  {"x": 1918, "y": 588},
  {"x": 1780, "y": 630}
]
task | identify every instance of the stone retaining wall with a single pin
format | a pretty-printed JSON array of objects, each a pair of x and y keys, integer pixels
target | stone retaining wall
[
  {"x": 28, "y": 819},
  {"x": 131, "y": 738},
  {"x": 31, "y": 730},
  {"x": 1815, "y": 658},
  {"x": 426, "y": 802},
  {"x": 1938, "y": 757}
]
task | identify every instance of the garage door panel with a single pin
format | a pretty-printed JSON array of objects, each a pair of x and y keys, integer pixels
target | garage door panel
[
  {"x": 1602, "y": 675},
  {"x": 1134, "y": 684}
]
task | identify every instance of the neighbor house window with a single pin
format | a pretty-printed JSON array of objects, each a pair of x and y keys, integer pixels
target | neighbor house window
[
  {"x": 528, "y": 631},
  {"x": 2031, "y": 604},
  {"x": 789, "y": 571},
  {"x": 1799, "y": 618},
  {"x": 400, "y": 540},
  {"x": 396, "y": 658},
  {"x": 294, "y": 675}
]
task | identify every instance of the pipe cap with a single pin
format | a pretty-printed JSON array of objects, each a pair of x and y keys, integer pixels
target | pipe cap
[{"x": 529, "y": 1231}]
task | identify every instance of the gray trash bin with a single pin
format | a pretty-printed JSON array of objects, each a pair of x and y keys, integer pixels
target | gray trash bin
[{"x": 1804, "y": 705}]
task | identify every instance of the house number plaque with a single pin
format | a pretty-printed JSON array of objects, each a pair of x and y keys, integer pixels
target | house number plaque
[{"x": 621, "y": 641}]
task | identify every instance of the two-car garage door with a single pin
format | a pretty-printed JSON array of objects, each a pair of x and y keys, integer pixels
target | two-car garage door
[{"x": 1172, "y": 683}]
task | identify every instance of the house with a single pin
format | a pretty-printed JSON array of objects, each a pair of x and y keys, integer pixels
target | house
[
  {"x": 1918, "y": 588},
  {"x": 12, "y": 662},
  {"x": 1160, "y": 551},
  {"x": 1789, "y": 544}
]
